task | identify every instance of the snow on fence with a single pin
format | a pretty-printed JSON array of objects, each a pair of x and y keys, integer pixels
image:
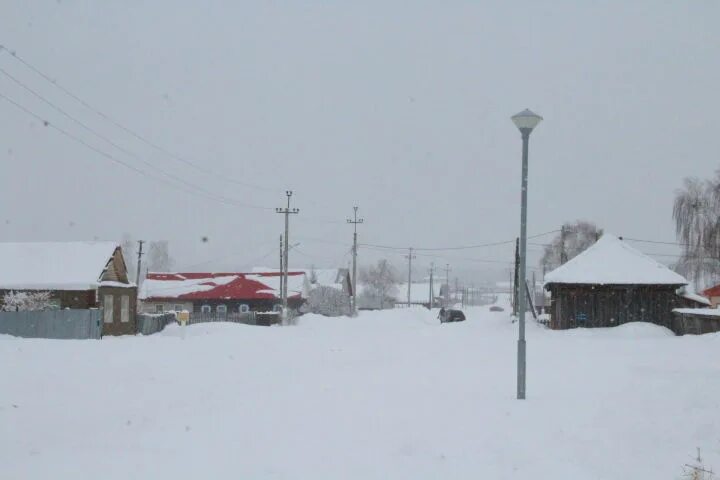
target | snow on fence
[
  {"x": 147, "y": 324},
  {"x": 55, "y": 324},
  {"x": 247, "y": 318}
]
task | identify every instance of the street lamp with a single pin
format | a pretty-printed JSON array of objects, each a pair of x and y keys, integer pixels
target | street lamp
[{"x": 525, "y": 121}]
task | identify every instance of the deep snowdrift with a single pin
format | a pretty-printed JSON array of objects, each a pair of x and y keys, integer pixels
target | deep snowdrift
[{"x": 386, "y": 395}]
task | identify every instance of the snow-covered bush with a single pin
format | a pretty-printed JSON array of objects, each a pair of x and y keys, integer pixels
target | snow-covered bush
[
  {"x": 26, "y": 301},
  {"x": 327, "y": 301}
]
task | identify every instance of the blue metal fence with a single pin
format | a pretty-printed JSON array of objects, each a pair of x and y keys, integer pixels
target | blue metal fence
[{"x": 59, "y": 324}]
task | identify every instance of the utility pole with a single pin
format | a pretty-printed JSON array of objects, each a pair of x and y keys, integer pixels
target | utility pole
[
  {"x": 563, "y": 254},
  {"x": 432, "y": 289},
  {"x": 139, "y": 262},
  {"x": 457, "y": 288},
  {"x": 447, "y": 284},
  {"x": 516, "y": 283},
  {"x": 410, "y": 257},
  {"x": 282, "y": 270},
  {"x": 354, "y": 261},
  {"x": 286, "y": 211}
]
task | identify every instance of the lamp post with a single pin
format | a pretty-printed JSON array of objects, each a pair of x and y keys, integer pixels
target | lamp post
[{"x": 525, "y": 121}]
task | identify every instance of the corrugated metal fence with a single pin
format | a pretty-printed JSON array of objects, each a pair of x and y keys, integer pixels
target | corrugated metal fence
[
  {"x": 148, "y": 324},
  {"x": 60, "y": 324}
]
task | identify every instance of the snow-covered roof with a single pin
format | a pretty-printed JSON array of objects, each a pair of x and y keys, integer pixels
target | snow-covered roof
[
  {"x": 53, "y": 265},
  {"x": 694, "y": 297},
  {"x": 218, "y": 286},
  {"x": 328, "y": 277},
  {"x": 703, "y": 312},
  {"x": 611, "y": 261}
]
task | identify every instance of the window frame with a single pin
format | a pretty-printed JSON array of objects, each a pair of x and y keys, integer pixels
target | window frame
[
  {"x": 221, "y": 309},
  {"x": 124, "y": 308},
  {"x": 206, "y": 308},
  {"x": 244, "y": 308},
  {"x": 108, "y": 313},
  {"x": 159, "y": 308}
]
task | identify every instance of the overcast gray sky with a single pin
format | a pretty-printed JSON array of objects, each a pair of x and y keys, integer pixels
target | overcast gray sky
[{"x": 399, "y": 107}]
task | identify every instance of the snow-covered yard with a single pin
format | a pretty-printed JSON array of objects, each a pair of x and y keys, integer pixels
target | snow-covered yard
[{"x": 387, "y": 395}]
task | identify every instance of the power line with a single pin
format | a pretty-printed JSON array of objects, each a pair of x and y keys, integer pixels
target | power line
[
  {"x": 197, "y": 190},
  {"x": 464, "y": 247},
  {"x": 109, "y": 141},
  {"x": 117, "y": 124},
  {"x": 655, "y": 242}
]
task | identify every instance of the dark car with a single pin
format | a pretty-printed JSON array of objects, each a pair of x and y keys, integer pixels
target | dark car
[
  {"x": 452, "y": 316},
  {"x": 495, "y": 308}
]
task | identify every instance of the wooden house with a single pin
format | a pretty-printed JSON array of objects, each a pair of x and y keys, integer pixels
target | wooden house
[
  {"x": 77, "y": 275},
  {"x": 612, "y": 283},
  {"x": 220, "y": 294}
]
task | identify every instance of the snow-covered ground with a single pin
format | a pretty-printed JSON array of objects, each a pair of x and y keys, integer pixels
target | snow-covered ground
[{"x": 388, "y": 395}]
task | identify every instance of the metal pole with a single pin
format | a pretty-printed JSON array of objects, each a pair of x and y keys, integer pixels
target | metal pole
[
  {"x": 447, "y": 285},
  {"x": 282, "y": 269},
  {"x": 522, "y": 354}
]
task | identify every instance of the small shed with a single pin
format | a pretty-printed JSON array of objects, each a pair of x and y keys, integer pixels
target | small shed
[
  {"x": 612, "y": 283},
  {"x": 696, "y": 321}
]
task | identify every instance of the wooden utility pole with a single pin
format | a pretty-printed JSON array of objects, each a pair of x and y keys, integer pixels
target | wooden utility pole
[
  {"x": 354, "y": 223},
  {"x": 563, "y": 253},
  {"x": 287, "y": 211},
  {"x": 139, "y": 262}
]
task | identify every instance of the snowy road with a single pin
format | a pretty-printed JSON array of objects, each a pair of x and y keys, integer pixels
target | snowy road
[{"x": 387, "y": 395}]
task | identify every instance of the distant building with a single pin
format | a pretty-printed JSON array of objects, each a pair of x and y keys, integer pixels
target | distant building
[
  {"x": 612, "y": 283},
  {"x": 337, "y": 278},
  {"x": 78, "y": 275}
]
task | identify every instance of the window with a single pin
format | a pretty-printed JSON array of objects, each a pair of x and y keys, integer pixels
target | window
[
  {"x": 159, "y": 308},
  {"x": 125, "y": 308},
  {"x": 221, "y": 309},
  {"x": 277, "y": 308},
  {"x": 178, "y": 308},
  {"x": 244, "y": 308},
  {"x": 108, "y": 302},
  {"x": 206, "y": 309}
]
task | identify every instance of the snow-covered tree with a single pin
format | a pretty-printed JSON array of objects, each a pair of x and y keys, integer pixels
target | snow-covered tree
[
  {"x": 26, "y": 301},
  {"x": 381, "y": 281},
  {"x": 576, "y": 239},
  {"x": 158, "y": 257},
  {"x": 129, "y": 250},
  {"x": 327, "y": 301},
  {"x": 696, "y": 212}
]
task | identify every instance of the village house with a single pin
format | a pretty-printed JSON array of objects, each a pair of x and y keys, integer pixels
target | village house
[
  {"x": 221, "y": 293},
  {"x": 713, "y": 295},
  {"x": 612, "y": 283},
  {"x": 336, "y": 278},
  {"x": 77, "y": 275}
]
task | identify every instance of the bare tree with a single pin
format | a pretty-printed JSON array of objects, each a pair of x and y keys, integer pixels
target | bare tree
[
  {"x": 381, "y": 281},
  {"x": 577, "y": 238},
  {"x": 696, "y": 212}
]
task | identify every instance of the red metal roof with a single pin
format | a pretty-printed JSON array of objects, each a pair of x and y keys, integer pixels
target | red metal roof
[
  {"x": 712, "y": 291},
  {"x": 222, "y": 287}
]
